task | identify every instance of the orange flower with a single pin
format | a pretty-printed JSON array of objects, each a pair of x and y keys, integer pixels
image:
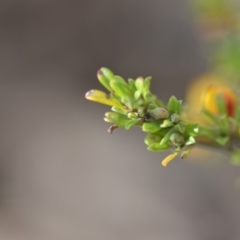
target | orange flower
[
  {"x": 202, "y": 93},
  {"x": 209, "y": 99}
]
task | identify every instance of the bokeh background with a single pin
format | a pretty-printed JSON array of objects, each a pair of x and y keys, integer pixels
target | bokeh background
[{"x": 62, "y": 176}]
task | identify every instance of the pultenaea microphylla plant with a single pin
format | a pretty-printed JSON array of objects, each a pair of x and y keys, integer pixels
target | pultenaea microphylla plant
[{"x": 167, "y": 126}]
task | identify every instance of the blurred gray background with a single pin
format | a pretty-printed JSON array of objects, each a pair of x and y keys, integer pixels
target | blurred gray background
[{"x": 62, "y": 176}]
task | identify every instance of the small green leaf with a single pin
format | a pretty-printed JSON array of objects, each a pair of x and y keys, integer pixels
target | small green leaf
[
  {"x": 137, "y": 94},
  {"x": 190, "y": 141},
  {"x": 209, "y": 115},
  {"x": 166, "y": 138},
  {"x": 118, "y": 110},
  {"x": 191, "y": 130},
  {"x": 119, "y": 88},
  {"x": 174, "y": 106},
  {"x": 180, "y": 127},
  {"x": 222, "y": 140},
  {"x": 179, "y": 107},
  {"x": 166, "y": 123},
  {"x": 128, "y": 101},
  {"x": 114, "y": 117},
  {"x": 139, "y": 83},
  {"x": 131, "y": 84},
  {"x": 163, "y": 131},
  {"x": 131, "y": 123},
  {"x": 223, "y": 124},
  {"x": 104, "y": 76},
  {"x": 119, "y": 79},
  {"x": 185, "y": 153},
  {"x": 152, "y": 138},
  {"x": 156, "y": 147},
  {"x": 151, "y": 127},
  {"x": 107, "y": 73},
  {"x": 210, "y": 133},
  {"x": 146, "y": 84}
]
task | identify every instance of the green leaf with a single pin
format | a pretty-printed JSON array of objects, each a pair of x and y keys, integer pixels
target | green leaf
[
  {"x": 166, "y": 123},
  {"x": 180, "y": 128},
  {"x": 190, "y": 141},
  {"x": 131, "y": 123},
  {"x": 152, "y": 138},
  {"x": 209, "y": 115},
  {"x": 146, "y": 84},
  {"x": 137, "y": 94},
  {"x": 223, "y": 124},
  {"x": 104, "y": 76},
  {"x": 119, "y": 79},
  {"x": 166, "y": 138},
  {"x": 222, "y": 140},
  {"x": 179, "y": 107},
  {"x": 185, "y": 153},
  {"x": 128, "y": 101},
  {"x": 156, "y": 147},
  {"x": 118, "y": 110},
  {"x": 151, "y": 127},
  {"x": 107, "y": 73},
  {"x": 119, "y": 88},
  {"x": 174, "y": 106},
  {"x": 210, "y": 133},
  {"x": 131, "y": 84},
  {"x": 191, "y": 130},
  {"x": 139, "y": 83},
  {"x": 114, "y": 117}
]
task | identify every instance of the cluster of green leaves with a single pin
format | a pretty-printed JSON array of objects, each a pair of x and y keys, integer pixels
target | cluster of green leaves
[{"x": 133, "y": 104}]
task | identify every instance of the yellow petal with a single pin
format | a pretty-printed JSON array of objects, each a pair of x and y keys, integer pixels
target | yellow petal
[
  {"x": 169, "y": 158},
  {"x": 103, "y": 98}
]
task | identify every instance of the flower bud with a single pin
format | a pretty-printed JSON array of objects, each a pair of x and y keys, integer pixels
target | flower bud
[
  {"x": 175, "y": 118},
  {"x": 132, "y": 115},
  {"x": 177, "y": 139},
  {"x": 159, "y": 113}
]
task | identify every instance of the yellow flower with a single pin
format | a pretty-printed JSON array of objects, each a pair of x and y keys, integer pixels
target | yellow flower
[
  {"x": 202, "y": 94},
  {"x": 209, "y": 99}
]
